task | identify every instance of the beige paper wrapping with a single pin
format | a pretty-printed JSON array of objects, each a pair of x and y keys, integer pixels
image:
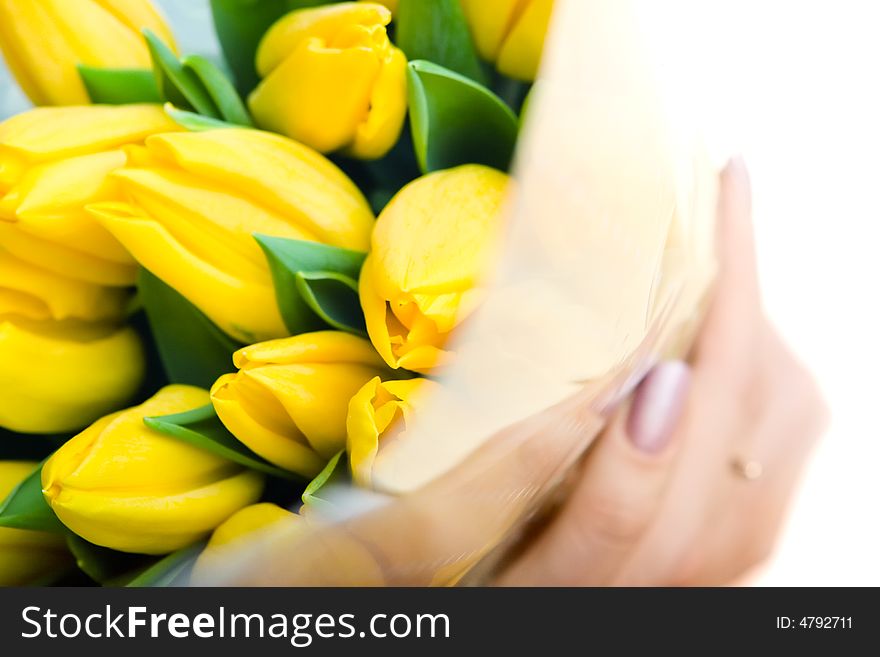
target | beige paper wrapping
[{"x": 609, "y": 259}]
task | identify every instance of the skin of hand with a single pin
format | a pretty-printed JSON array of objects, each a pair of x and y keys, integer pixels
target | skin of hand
[{"x": 659, "y": 500}]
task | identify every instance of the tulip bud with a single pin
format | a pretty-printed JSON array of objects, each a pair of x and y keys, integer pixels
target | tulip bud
[
  {"x": 248, "y": 548},
  {"x": 289, "y": 400},
  {"x": 122, "y": 485},
  {"x": 378, "y": 418},
  {"x": 194, "y": 201},
  {"x": 249, "y": 524},
  {"x": 43, "y": 41},
  {"x": 333, "y": 80},
  {"x": 60, "y": 376},
  {"x": 54, "y": 162},
  {"x": 430, "y": 246},
  {"x": 26, "y": 555},
  {"x": 510, "y": 33}
]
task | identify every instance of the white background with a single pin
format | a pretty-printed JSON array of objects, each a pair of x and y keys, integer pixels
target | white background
[
  {"x": 797, "y": 89},
  {"x": 794, "y": 85}
]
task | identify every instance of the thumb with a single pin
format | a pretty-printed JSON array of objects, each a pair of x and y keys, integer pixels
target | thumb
[{"x": 617, "y": 493}]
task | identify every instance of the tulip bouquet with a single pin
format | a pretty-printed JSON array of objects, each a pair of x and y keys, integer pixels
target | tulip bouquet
[{"x": 231, "y": 290}]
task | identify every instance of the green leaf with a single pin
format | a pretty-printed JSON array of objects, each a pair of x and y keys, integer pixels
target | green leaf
[
  {"x": 26, "y": 508},
  {"x": 315, "y": 284},
  {"x": 334, "y": 298},
  {"x": 333, "y": 473},
  {"x": 104, "y": 565},
  {"x": 457, "y": 121},
  {"x": 120, "y": 86},
  {"x": 191, "y": 347},
  {"x": 194, "y": 122},
  {"x": 203, "y": 429},
  {"x": 437, "y": 31},
  {"x": 220, "y": 89},
  {"x": 178, "y": 84},
  {"x": 172, "y": 570}
]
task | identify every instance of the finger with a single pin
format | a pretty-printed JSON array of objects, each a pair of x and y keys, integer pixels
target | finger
[
  {"x": 792, "y": 419},
  {"x": 618, "y": 494},
  {"x": 736, "y": 302}
]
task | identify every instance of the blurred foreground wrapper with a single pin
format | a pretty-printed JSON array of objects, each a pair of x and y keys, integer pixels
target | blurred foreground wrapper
[{"x": 607, "y": 263}]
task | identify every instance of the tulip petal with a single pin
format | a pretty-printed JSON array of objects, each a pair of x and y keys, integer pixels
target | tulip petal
[
  {"x": 262, "y": 424},
  {"x": 111, "y": 484},
  {"x": 491, "y": 21},
  {"x": 225, "y": 298},
  {"x": 363, "y": 434},
  {"x": 49, "y": 381},
  {"x": 337, "y": 86},
  {"x": 316, "y": 398},
  {"x": 375, "y": 136},
  {"x": 289, "y": 179},
  {"x": 319, "y": 22},
  {"x": 49, "y": 203},
  {"x": 378, "y": 418},
  {"x": 309, "y": 348},
  {"x": 375, "y": 313},
  {"x": 213, "y": 224},
  {"x": 139, "y": 15},
  {"x": 91, "y": 458},
  {"x": 520, "y": 55},
  {"x": 418, "y": 249},
  {"x": 147, "y": 524},
  {"x": 64, "y": 261},
  {"x": 39, "y": 294},
  {"x": 48, "y": 133},
  {"x": 46, "y": 40}
]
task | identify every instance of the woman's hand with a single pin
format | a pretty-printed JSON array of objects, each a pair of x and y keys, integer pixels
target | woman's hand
[{"x": 689, "y": 483}]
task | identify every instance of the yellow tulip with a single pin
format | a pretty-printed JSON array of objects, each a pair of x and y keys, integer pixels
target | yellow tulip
[
  {"x": 250, "y": 523},
  {"x": 429, "y": 248},
  {"x": 53, "y": 162},
  {"x": 289, "y": 400},
  {"x": 510, "y": 33},
  {"x": 122, "y": 485},
  {"x": 26, "y": 555},
  {"x": 378, "y": 419},
  {"x": 34, "y": 293},
  {"x": 43, "y": 41},
  {"x": 60, "y": 376},
  {"x": 333, "y": 80},
  {"x": 257, "y": 543},
  {"x": 192, "y": 202}
]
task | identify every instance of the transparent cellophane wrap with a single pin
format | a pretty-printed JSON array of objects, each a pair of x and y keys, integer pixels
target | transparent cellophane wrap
[{"x": 606, "y": 269}]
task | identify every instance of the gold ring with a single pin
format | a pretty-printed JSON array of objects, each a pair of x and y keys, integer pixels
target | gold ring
[{"x": 748, "y": 469}]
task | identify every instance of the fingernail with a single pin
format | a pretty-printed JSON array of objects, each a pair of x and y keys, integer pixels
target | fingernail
[{"x": 657, "y": 406}]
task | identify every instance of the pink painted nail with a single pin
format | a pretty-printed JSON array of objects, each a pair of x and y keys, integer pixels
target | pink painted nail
[{"x": 657, "y": 406}]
